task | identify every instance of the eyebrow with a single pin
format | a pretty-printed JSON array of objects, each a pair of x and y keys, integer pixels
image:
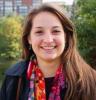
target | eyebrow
[{"x": 42, "y": 27}]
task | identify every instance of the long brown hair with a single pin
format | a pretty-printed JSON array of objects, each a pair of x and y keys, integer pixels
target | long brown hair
[{"x": 80, "y": 77}]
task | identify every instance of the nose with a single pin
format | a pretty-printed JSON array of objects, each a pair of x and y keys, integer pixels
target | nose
[{"x": 48, "y": 38}]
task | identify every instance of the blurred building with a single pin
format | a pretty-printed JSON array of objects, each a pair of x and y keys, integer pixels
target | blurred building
[{"x": 21, "y": 7}]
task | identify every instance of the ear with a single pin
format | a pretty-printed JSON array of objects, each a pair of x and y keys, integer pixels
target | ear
[{"x": 29, "y": 39}]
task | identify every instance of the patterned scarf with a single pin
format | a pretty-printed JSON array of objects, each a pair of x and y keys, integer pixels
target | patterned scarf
[{"x": 37, "y": 83}]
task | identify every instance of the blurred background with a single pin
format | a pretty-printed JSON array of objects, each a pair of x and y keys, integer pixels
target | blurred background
[{"x": 13, "y": 12}]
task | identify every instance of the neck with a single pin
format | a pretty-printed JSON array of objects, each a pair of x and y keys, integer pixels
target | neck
[{"x": 48, "y": 68}]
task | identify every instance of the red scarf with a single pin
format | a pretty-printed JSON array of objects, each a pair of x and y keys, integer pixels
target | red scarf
[{"x": 37, "y": 83}]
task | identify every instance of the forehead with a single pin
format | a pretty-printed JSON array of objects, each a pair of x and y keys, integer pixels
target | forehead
[{"x": 46, "y": 19}]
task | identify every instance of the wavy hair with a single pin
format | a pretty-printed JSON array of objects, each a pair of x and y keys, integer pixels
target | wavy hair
[{"x": 80, "y": 77}]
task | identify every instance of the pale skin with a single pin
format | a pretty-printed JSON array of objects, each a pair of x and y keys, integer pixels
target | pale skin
[{"x": 47, "y": 38}]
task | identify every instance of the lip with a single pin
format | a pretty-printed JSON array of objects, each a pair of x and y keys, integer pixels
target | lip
[{"x": 48, "y": 47}]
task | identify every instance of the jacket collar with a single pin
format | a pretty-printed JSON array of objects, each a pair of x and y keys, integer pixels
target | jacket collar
[{"x": 17, "y": 69}]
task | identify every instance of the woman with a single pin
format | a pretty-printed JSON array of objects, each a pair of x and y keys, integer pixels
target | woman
[{"x": 52, "y": 68}]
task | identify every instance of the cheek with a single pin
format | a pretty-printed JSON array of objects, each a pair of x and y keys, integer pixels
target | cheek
[
  {"x": 61, "y": 45},
  {"x": 61, "y": 41},
  {"x": 34, "y": 45},
  {"x": 35, "y": 42}
]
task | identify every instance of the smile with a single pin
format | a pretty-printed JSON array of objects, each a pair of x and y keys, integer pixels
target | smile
[{"x": 48, "y": 47}]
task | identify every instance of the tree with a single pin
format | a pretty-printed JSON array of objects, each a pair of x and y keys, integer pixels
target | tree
[
  {"x": 85, "y": 21},
  {"x": 10, "y": 33}
]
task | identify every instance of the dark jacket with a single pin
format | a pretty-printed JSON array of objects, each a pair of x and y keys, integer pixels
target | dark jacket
[
  {"x": 10, "y": 85},
  {"x": 9, "y": 88}
]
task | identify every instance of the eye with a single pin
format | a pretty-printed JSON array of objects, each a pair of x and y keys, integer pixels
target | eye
[
  {"x": 39, "y": 32},
  {"x": 56, "y": 32}
]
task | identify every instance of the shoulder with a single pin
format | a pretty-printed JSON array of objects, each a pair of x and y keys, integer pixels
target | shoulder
[{"x": 17, "y": 69}]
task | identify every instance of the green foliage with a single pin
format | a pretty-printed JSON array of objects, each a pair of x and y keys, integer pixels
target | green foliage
[
  {"x": 4, "y": 66},
  {"x": 85, "y": 21},
  {"x": 10, "y": 33}
]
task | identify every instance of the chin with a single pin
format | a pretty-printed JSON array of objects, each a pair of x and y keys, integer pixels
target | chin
[{"x": 49, "y": 58}]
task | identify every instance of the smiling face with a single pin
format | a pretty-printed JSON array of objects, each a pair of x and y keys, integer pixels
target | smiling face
[{"x": 47, "y": 37}]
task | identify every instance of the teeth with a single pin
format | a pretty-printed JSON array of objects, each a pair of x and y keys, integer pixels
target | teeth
[{"x": 48, "y": 47}]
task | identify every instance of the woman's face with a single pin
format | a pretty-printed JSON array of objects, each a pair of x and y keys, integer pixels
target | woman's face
[{"x": 47, "y": 37}]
